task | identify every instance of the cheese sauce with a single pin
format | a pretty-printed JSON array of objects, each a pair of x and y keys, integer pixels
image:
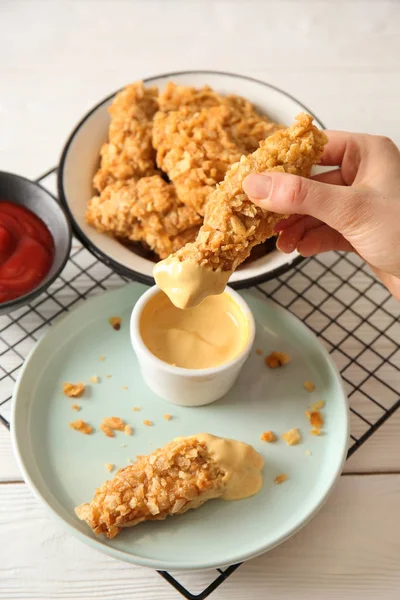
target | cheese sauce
[
  {"x": 187, "y": 283},
  {"x": 211, "y": 334},
  {"x": 241, "y": 463}
]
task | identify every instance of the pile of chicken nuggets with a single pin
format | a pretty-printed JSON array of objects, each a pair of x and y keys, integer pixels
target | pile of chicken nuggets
[{"x": 165, "y": 155}]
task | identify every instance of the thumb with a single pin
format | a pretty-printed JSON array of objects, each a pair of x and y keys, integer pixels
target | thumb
[{"x": 346, "y": 209}]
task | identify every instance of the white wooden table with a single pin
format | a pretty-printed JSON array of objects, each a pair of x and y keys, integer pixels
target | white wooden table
[{"x": 342, "y": 59}]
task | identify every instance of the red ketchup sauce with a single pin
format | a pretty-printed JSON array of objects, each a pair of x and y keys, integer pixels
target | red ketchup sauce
[{"x": 26, "y": 251}]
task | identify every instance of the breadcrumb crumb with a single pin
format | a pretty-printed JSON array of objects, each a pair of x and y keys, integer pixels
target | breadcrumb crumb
[
  {"x": 76, "y": 407},
  {"x": 318, "y": 405},
  {"x": 124, "y": 387},
  {"x": 315, "y": 418},
  {"x": 259, "y": 352},
  {"x": 167, "y": 417},
  {"x": 108, "y": 376},
  {"x": 110, "y": 467},
  {"x": 110, "y": 424},
  {"x": 268, "y": 436},
  {"x": 316, "y": 431},
  {"x": 136, "y": 408},
  {"x": 277, "y": 359},
  {"x": 115, "y": 423},
  {"x": 148, "y": 423},
  {"x": 115, "y": 323},
  {"x": 292, "y": 437},
  {"x": 107, "y": 430},
  {"x": 94, "y": 379},
  {"x": 81, "y": 426},
  {"x": 128, "y": 430},
  {"x": 281, "y": 478},
  {"x": 309, "y": 386},
  {"x": 101, "y": 358},
  {"x": 73, "y": 390},
  {"x": 308, "y": 452}
]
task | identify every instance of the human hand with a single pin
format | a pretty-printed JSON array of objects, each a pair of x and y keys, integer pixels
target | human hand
[{"x": 355, "y": 208}]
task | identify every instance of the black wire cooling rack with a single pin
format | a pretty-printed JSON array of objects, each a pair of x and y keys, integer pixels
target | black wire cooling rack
[{"x": 335, "y": 294}]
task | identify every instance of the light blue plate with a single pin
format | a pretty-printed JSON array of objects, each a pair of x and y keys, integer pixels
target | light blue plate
[{"x": 64, "y": 467}]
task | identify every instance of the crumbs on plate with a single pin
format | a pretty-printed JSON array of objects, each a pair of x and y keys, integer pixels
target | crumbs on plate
[
  {"x": 316, "y": 431},
  {"x": 291, "y": 437},
  {"x": 167, "y": 417},
  {"x": 101, "y": 358},
  {"x": 277, "y": 359},
  {"x": 147, "y": 423},
  {"x": 309, "y": 386},
  {"x": 94, "y": 379},
  {"x": 259, "y": 352},
  {"x": 268, "y": 436},
  {"x": 73, "y": 390},
  {"x": 110, "y": 467},
  {"x": 128, "y": 430},
  {"x": 136, "y": 408},
  {"x": 318, "y": 405},
  {"x": 76, "y": 407},
  {"x": 315, "y": 418},
  {"x": 111, "y": 424},
  {"x": 115, "y": 323},
  {"x": 124, "y": 387},
  {"x": 81, "y": 426},
  {"x": 281, "y": 478}
]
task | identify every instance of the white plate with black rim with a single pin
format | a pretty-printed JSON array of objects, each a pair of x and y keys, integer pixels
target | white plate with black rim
[{"x": 80, "y": 160}]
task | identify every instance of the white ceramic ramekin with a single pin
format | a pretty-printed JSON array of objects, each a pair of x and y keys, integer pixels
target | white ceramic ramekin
[{"x": 188, "y": 387}]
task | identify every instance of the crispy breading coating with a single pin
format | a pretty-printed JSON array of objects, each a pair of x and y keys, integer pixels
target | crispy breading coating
[
  {"x": 232, "y": 223},
  {"x": 196, "y": 149},
  {"x": 146, "y": 210},
  {"x": 165, "y": 245},
  {"x": 129, "y": 151},
  {"x": 180, "y": 476},
  {"x": 174, "y": 97}
]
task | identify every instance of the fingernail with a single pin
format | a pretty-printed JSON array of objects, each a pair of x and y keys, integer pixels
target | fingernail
[
  {"x": 257, "y": 186},
  {"x": 286, "y": 244}
]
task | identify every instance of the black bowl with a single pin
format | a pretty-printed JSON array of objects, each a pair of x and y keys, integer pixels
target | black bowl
[{"x": 17, "y": 189}]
